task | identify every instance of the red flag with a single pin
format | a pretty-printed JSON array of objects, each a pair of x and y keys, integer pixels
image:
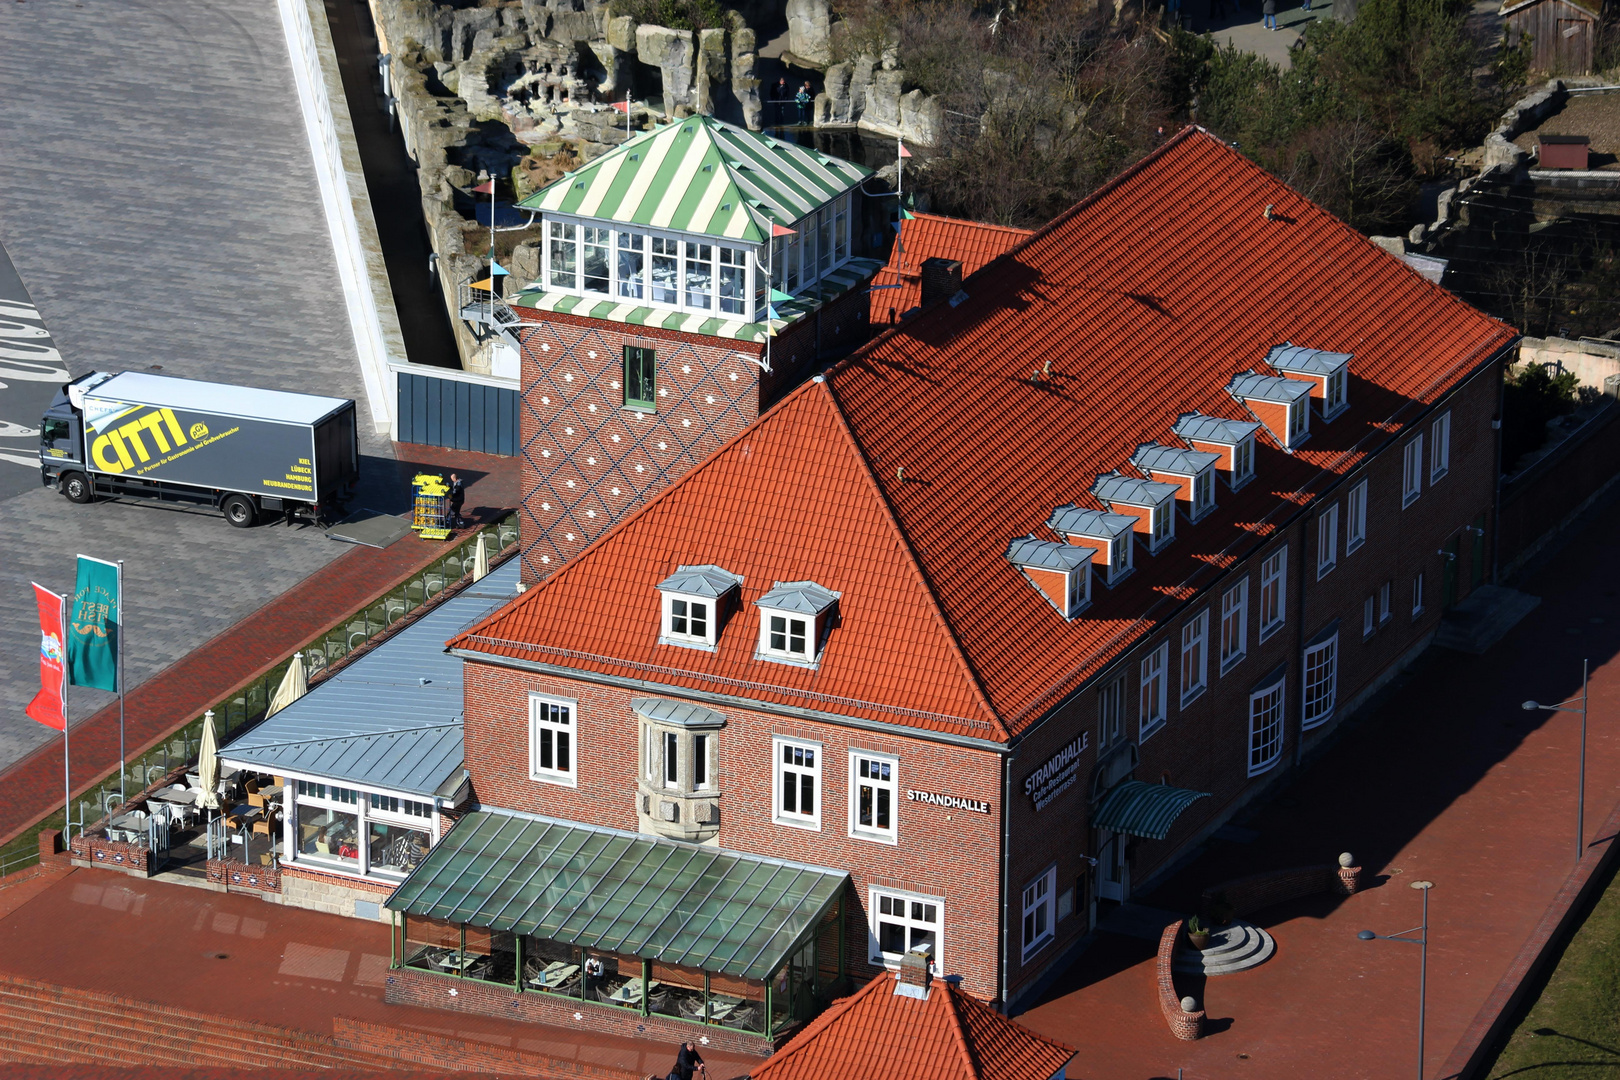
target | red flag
[
  {"x": 781, "y": 230},
  {"x": 486, "y": 188},
  {"x": 47, "y": 704},
  {"x": 622, "y": 106},
  {"x": 903, "y": 151}
]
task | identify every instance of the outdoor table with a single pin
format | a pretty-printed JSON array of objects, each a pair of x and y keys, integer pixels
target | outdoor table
[
  {"x": 631, "y": 992},
  {"x": 182, "y": 797},
  {"x": 557, "y": 972},
  {"x": 457, "y": 963},
  {"x": 720, "y": 1008}
]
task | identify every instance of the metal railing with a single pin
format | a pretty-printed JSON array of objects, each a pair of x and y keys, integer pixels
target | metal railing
[{"x": 481, "y": 305}]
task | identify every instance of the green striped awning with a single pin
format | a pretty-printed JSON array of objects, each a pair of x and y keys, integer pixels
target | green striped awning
[
  {"x": 1137, "y": 808},
  {"x": 700, "y": 907},
  {"x": 702, "y": 175}
]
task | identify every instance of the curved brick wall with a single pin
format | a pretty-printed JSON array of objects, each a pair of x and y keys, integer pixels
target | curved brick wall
[{"x": 1184, "y": 1025}]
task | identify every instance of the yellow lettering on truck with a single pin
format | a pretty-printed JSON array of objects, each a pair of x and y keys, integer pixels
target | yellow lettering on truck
[
  {"x": 152, "y": 422},
  {"x": 98, "y": 454},
  {"x": 174, "y": 427}
]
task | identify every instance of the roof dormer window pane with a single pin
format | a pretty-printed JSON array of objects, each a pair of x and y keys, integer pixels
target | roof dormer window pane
[
  {"x": 688, "y": 619},
  {"x": 787, "y": 635},
  {"x": 1161, "y": 523},
  {"x": 1335, "y": 393},
  {"x": 595, "y": 258},
  {"x": 1203, "y": 492},
  {"x": 1242, "y": 461},
  {"x": 793, "y": 621}
]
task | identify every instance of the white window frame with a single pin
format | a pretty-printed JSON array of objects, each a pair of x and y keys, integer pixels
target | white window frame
[
  {"x": 1327, "y": 541},
  {"x": 1333, "y": 393},
  {"x": 1412, "y": 471},
  {"x": 1194, "y": 657},
  {"x": 1274, "y": 576},
  {"x": 767, "y": 651},
  {"x": 1234, "y": 625},
  {"x": 1155, "y": 691},
  {"x": 1299, "y": 421},
  {"x": 1162, "y": 523},
  {"x": 1242, "y": 462},
  {"x": 1039, "y": 925},
  {"x": 1203, "y": 494},
  {"x": 538, "y": 724},
  {"x": 1369, "y": 618},
  {"x": 1440, "y": 447},
  {"x": 1077, "y": 591},
  {"x": 1111, "y": 712},
  {"x": 1266, "y": 728},
  {"x": 700, "y": 756},
  {"x": 1386, "y": 602},
  {"x": 890, "y": 835},
  {"x": 670, "y": 751},
  {"x": 1355, "y": 517},
  {"x": 874, "y": 953},
  {"x": 1417, "y": 595},
  {"x": 1320, "y": 678},
  {"x": 685, "y": 243},
  {"x": 686, "y": 639},
  {"x": 360, "y": 806},
  {"x": 780, "y": 768},
  {"x": 1119, "y": 548}
]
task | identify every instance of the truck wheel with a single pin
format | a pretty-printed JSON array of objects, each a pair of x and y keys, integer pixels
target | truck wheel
[
  {"x": 77, "y": 487},
  {"x": 238, "y": 510}
]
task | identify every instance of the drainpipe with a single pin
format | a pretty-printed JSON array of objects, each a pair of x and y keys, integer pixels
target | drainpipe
[
  {"x": 1006, "y": 805},
  {"x": 1496, "y": 503},
  {"x": 1299, "y": 646}
]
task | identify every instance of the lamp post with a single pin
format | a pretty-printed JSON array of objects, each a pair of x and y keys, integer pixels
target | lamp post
[
  {"x": 1580, "y": 788},
  {"x": 1423, "y": 958}
]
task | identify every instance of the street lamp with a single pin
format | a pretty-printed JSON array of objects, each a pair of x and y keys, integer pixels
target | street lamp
[
  {"x": 1423, "y": 962},
  {"x": 1580, "y": 790}
]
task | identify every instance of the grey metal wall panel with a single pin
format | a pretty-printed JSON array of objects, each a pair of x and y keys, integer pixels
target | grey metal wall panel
[{"x": 456, "y": 414}]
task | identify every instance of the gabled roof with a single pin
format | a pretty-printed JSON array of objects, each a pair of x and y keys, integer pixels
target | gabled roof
[
  {"x": 1213, "y": 429},
  {"x": 898, "y": 286},
  {"x": 705, "y": 580},
  {"x": 1593, "y": 8},
  {"x": 1175, "y": 460},
  {"x": 1248, "y": 384},
  {"x": 877, "y": 1034},
  {"x": 702, "y": 175},
  {"x": 1115, "y": 487},
  {"x": 804, "y": 597},
  {"x": 1292, "y": 358},
  {"x": 936, "y": 624},
  {"x": 1047, "y": 555},
  {"x": 1100, "y": 524}
]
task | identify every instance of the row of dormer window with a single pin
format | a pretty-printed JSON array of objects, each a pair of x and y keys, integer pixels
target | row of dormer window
[
  {"x": 795, "y": 617},
  {"x": 1145, "y": 506}
]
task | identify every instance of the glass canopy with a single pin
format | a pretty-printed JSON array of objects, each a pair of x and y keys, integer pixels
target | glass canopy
[{"x": 699, "y": 907}]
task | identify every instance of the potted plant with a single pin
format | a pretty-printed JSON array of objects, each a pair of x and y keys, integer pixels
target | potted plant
[{"x": 1198, "y": 934}]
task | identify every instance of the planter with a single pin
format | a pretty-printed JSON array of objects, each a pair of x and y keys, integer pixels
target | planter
[{"x": 1200, "y": 940}]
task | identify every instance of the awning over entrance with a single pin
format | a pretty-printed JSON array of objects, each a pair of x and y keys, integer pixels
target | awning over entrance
[
  {"x": 699, "y": 907},
  {"x": 1137, "y": 808}
]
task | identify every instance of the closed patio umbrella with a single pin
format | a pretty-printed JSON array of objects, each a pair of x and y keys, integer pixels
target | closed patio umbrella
[
  {"x": 481, "y": 557},
  {"x": 208, "y": 763},
  {"x": 294, "y": 685}
]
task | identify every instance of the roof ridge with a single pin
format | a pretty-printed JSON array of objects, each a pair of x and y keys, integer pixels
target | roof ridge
[
  {"x": 955, "y": 643},
  {"x": 958, "y": 1025}
]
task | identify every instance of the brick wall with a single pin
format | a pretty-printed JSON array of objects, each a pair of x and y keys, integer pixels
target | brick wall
[
  {"x": 240, "y": 877},
  {"x": 95, "y": 850},
  {"x": 945, "y": 853},
  {"x": 1184, "y": 1025},
  {"x": 1545, "y": 495}
]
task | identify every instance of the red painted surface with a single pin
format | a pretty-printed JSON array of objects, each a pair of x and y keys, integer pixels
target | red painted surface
[{"x": 928, "y": 236}]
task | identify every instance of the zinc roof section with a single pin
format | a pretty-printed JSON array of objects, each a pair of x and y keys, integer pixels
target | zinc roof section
[
  {"x": 1213, "y": 429},
  {"x": 1047, "y": 555},
  {"x": 1291, "y": 358},
  {"x": 706, "y": 580},
  {"x": 930, "y": 236},
  {"x": 1249, "y": 384},
  {"x": 1112, "y": 487},
  {"x": 683, "y": 713},
  {"x": 1072, "y": 520},
  {"x": 876, "y": 1034},
  {"x": 804, "y": 597},
  {"x": 1175, "y": 460},
  {"x": 791, "y": 496},
  {"x": 702, "y": 175}
]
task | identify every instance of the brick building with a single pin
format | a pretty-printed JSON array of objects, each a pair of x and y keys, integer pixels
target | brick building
[
  {"x": 970, "y": 635},
  {"x": 688, "y": 279}
]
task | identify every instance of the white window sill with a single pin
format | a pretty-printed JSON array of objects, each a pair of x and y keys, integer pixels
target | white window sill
[
  {"x": 873, "y": 836},
  {"x": 687, "y": 643},
  {"x": 1193, "y": 695},
  {"x": 1257, "y": 770},
  {"x": 791, "y": 661},
  {"x": 1324, "y": 571},
  {"x": 1313, "y": 724},
  {"x": 1267, "y": 631},
  {"x": 1035, "y": 949},
  {"x": 791, "y": 823},
  {"x": 1231, "y": 662},
  {"x": 646, "y": 410},
  {"x": 1409, "y": 499},
  {"x": 1353, "y": 546},
  {"x": 554, "y": 779},
  {"x": 1441, "y": 475},
  {"x": 1417, "y": 613},
  {"x": 1146, "y": 733}
]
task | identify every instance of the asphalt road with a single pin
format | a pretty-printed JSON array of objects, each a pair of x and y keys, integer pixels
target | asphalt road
[
  {"x": 158, "y": 202},
  {"x": 30, "y": 371}
]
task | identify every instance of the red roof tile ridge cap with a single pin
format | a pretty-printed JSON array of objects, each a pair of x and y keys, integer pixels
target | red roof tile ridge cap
[
  {"x": 970, "y": 1065},
  {"x": 571, "y": 567},
  {"x": 945, "y": 219},
  {"x": 800, "y": 1042},
  {"x": 954, "y": 642}
]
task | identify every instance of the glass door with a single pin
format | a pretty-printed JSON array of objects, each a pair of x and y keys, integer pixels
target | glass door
[{"x": 1113, "y": 875}]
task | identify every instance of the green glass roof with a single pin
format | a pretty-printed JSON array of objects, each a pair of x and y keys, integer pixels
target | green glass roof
[{"x": 700, "y": 907}]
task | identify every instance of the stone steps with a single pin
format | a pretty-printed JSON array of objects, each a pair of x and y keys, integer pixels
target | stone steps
[{"x": 1235, "y": 948}]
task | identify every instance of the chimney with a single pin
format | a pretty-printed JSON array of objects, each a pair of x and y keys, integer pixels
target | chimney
[
  {"x": 941, "y": 279},
  {"x": 912, "y": 979}
]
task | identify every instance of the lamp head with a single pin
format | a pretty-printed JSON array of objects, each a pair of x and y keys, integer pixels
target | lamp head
[
  {"x": 1366, "y": 935},
  {"x": 1531, "y": 706}
]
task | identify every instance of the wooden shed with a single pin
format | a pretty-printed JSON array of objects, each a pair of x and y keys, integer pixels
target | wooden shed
[{"x": 1563, "y": 33}]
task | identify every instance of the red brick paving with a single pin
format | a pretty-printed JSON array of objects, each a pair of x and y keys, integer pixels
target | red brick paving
[
  {"x": 104, "y": 931},
  {"x": 32, "y": 788},
  {"x": 1446, "y": 779}
]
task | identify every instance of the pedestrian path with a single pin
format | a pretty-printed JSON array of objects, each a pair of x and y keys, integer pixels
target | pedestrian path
[{"x": 1447, "y": 779}]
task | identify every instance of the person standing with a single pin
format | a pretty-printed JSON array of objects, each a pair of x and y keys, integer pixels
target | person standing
[
  {"x": 458, "y": 496},
  {"x": 1269, "y": 10},
  {"x": 689, "y": 1061},
  {"x": 802, "y": 99},
  {"x": 781, "y": 101},
  {"x": 1217, "y": 9}
]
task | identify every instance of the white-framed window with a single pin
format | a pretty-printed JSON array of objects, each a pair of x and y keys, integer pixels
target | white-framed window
[
  {"x": 1040, "y": 921},
  {"x": 688, "y": 620},
  {"x": 1164, "y": 523},
  {"x": 1266, "y": 725},
  {"x": 1194, "y": 656},
  {"x": 1155, "y": 689},
  {"x": 1333, "y": 393},
  {"x": 552, "y": 750},
  {"x": 1355, "y": 518},
  {"x": 1417, "y": 595},
  {"x": 873, "y": 806},
  {"x": 785, "y": 635},
  {"x": 1242, "y": 462},
  {"x": 1203, "y": 493},
  {"x": 1299, "y": 414},
  {"x": 1273, "y": 592},
  {"x": 672, "y": 760},
  {"x": 1321, "y": 681},
  {"x": 1412, "y": 471},
  {"x": 659, "y": 270},
  {"x": 1327, "y": 541},
  {"x": 393, "y": 804},
  {"x": 1234, "y": 625},
  {"x": 902, "y": 922},
  {"x": 1079, "y": 586},
  {"x": 1440, "y": 447},
  {"x": 700, "y": 762},
  {"x": 798, "y": 783},
  {"x": 325, "y": 825},
  {"x": 1369, "y": 617},
  {"x": 597, "y": 246},
  {"x": 1386, "y": 603},
  {"x": 564, "y": 255},
  {"x": 1111, "y": 713}
]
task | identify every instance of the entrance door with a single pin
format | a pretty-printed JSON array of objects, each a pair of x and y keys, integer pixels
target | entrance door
[
  {"x": 1113, "y": 875},
  {"x": 1448, "y": 574}
]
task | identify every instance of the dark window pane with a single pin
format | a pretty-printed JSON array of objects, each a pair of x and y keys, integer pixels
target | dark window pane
[
  {"x": 883, "y": 808},
  {"x": 807, "y": 794}
]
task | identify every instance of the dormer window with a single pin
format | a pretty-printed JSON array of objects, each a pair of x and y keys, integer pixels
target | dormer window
[
  {"x": 794, "y": 618},
  {"x": 1327, "y": 373},
  {"x": 1282, "y": 405},
  {"x": 1150, "y": 502},
  {"x": 1231, "y": 441},
  {"x": 1060, "y": 572},
  {"x": 1108, "y": 535},
  {"x": 1243, "y": 462},
  {"x": 1192, "y": 471},
  {"x": 696, "y": 600}
]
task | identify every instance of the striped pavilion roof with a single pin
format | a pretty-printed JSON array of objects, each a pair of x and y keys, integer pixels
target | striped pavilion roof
[{"x": 705, "y": 176}]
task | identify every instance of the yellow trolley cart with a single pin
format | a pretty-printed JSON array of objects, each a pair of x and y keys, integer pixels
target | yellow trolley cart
[{"x": 431, "y": 518}]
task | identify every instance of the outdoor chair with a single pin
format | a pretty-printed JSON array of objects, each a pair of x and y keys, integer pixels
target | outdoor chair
[
  {"x": 607, "y": 988},
  {"x": 658, "y": 1001},
  {"x": 690, "y": 1006},
  {"x": 744, "y": 1016}
]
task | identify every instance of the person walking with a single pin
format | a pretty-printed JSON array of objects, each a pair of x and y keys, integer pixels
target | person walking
[
  {"x": 1269, "y": 9},
  {"x": 802, "y": 99},
  {"x": 687, "y": 1062},
  {"x": 458, "y": 496}
]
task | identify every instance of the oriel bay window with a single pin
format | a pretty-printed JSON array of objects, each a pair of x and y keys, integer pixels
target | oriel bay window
[{"x": 1266, "y": 722}]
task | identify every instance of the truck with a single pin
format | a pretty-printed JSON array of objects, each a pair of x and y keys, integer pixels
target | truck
[{"x": 243, "y": 450}]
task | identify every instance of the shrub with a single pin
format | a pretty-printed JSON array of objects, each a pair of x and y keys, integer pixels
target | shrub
[{"x": 1531, "y": 396}]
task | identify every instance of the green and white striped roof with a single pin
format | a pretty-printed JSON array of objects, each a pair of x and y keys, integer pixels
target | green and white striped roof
[{"x": 702, "y": 175}]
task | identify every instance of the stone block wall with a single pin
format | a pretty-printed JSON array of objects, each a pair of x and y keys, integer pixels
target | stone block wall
[{"x": 331, "y": 894}]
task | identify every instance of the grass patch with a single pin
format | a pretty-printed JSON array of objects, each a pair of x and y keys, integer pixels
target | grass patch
[{"x": 1573, "y": 1029}]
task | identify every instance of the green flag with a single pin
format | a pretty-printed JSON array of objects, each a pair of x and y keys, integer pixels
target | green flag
[{"x": 93, "y": 626}]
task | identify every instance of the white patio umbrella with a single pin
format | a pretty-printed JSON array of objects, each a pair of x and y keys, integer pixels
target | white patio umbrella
[
  {"x": 481, "y": 557},
  {"x": 294, "y": 685},
  {"x": 208, "y": 764}
]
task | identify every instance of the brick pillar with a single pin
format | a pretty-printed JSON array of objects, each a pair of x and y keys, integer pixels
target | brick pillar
[
  {"x": 50, "y": 847},
  {"x": 1349, "y": 875}
]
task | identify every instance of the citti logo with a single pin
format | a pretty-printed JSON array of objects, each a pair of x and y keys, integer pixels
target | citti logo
[{"x": 199, "y": 431}]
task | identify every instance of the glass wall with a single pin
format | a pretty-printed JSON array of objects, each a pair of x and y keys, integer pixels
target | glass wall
[
  {"x": 328, "y": 821},
  {"x": 396, "y": 849},
  {"x": 432, "y": 945},
  {"x": 613, "y": 979},
  {"x": 552, "y": 967},
  {"x": 490, "y": 956},
  {"x": 676, "y": 991},
  {"x": 328, "y": 834},
  {"x": 737, "y": 1003}
]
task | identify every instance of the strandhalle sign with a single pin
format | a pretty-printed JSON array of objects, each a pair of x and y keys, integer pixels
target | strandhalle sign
[
  {"x": 950, "y": 802},
  {"x": 1060, "y": 770}
]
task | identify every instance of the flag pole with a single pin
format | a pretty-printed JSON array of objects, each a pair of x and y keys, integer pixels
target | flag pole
[
  {"x": 122, "y": 762},
  {"x": 67, "y": 772}
]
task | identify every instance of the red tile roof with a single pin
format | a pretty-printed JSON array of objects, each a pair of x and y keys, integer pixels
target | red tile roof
[
  {"x": 1146, "y": 299},
  {"x": 876, "y": 1034},
  {"x": 929, "y": 236}
]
